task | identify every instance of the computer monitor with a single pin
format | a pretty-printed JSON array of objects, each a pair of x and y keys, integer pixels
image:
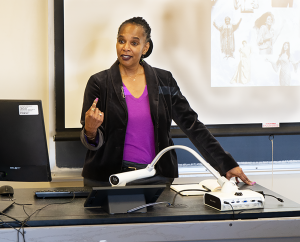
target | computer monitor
[
  {"x": 121, "y": 199},
  {"x": 23, "y": 146}
]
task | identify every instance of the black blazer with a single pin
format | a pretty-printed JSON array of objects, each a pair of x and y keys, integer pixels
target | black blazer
[{"x": 166, "y": 103}]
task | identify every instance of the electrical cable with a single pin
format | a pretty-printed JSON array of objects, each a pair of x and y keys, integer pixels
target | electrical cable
[
  {"x": 168, "y": 204},
  {"x": 38, "y": 210},
  {"x": 6, "y": 215},
  {"x": 279, "y": 199},
  {"x": 185, "y": 190},
  {"x": 144, "y": 206},
  {"x": 233, "y": 217},
  {"x": 262, "y": 193},
  {"x": 14, "y": 229},
  {"x": 24, "y": 222}
]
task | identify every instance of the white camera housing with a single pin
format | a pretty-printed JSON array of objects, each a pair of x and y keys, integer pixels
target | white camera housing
[{"x": 121, "y": 179}]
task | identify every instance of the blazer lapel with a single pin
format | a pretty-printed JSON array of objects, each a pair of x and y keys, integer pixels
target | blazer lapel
[
  {"x": 153, "y": 92},
  {"x": 116, "y": 80}
]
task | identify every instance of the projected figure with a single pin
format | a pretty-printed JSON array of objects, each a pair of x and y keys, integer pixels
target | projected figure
[
  {"x": 227, "y": 36},
  {"x": 266, "y": 34},
  {"x": 282, "y": 3},
  {"x": 285, "y": 64},
  {"x": 246, "y": 6},
  {"x": 242, "y": 74}
]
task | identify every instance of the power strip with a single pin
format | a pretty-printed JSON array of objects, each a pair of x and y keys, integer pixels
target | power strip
[{"x": 240, "y": 200}]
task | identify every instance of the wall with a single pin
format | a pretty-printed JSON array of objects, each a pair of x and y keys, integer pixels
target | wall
[
  {"x": 24, "y": 56},
  {"x": 24, "y": 51}
]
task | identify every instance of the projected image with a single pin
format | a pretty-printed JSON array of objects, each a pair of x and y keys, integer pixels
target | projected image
[
  {"x": 246, "y": 6},
  {"x": 242, "y": 74},
  {"x": 252, "y": 43},
  {"x": 282, "y": 3},
  {"x": 213, "y": 48},
  {"x": 285, "y": 65},
  {"x": 266, "y": 34},
  {"x": 227, "y": 36}
]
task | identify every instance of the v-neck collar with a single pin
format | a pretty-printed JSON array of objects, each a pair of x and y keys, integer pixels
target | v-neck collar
[
  {"x": 128, "y": 93},
  {"x": 152, "y": 87}
]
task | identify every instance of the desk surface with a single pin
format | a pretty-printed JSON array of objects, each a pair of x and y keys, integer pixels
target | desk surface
[{"x": 75, "y": 213}]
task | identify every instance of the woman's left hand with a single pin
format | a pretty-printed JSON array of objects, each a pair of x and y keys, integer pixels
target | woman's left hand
[{"x": 237, "y": 172}]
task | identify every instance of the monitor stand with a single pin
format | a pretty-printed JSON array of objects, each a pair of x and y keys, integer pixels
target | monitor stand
[
  {"x": 122, "y": 203},
  {"x": 115, "y": 200}
]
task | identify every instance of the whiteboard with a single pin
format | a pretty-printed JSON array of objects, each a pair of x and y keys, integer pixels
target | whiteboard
[{"x": 187, "y": 44}]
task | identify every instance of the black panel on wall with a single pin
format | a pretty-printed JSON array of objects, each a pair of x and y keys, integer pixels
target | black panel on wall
[
  {"x": 70, "y": 154},
  {"x": 250, "y": 148},
  {"x": 244, "y": 149}
]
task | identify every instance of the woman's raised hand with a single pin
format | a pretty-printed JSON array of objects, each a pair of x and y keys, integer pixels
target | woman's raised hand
[{"x": 93, "y": 119}]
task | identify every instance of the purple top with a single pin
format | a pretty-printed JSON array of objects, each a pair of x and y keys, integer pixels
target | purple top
[{"x": 139, "y": 141}]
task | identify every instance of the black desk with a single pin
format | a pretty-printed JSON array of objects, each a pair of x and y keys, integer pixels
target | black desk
[{"x": 195, "y": 212}]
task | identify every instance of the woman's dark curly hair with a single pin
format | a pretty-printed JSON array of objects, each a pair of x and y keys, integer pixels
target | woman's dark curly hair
[
  {"x": 262, "y": 20},
  {"x": 142, "y": 22},
  {"x": 287, "y": 51}
]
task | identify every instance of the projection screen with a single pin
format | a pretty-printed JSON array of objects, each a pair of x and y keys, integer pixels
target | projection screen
[{"x": 236, "y": 61}]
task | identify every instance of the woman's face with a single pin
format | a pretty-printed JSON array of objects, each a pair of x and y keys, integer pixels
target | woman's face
[
  {"x": 286, "y": 46},
  {"x": 131, "y": 44},
  {"x": 269, "y": 20}
]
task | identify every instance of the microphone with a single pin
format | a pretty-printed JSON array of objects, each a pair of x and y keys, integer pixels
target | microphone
[{"x": 122, "y": 92}]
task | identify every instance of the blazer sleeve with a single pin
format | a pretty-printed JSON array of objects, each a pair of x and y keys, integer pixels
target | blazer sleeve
[
  {"x": 90, "y": 146},
  {"x": 187, "y": 119}
]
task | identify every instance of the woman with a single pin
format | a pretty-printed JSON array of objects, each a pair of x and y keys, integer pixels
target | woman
[
  {"x": 266, "y": 34},
  {"x": 242, "y": 74},
  {"x": 285, "y": 64},
  {"x": 127, "y": 114},
  {"x": 227, "y": 36}
]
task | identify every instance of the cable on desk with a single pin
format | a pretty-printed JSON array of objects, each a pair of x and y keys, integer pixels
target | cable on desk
[
  {"x": 4, "y": 214},
  {"x": 18, "y": 230},
  {"x": 38, "y": 210},
  {"x": 25, "y": 204},
  {"x": 279, "y": 199},
  {"x": 4, "y": 223},
  {"x": 24, "y": 222},
  {"x": 144, "y": 206},
  {"x": 233, "y": 217},
  {"x": 172, "y": 205}
]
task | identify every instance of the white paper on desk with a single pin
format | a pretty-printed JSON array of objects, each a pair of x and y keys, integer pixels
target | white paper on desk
[{"x": 211, "y": 184}]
